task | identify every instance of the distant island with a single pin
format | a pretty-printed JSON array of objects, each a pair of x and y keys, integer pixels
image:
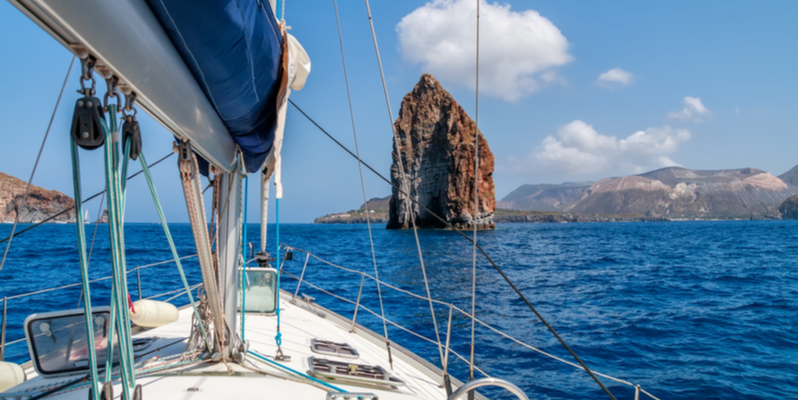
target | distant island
[
  {"x": 672, "y": 193},
  {"x": 40, "y": 204},
  {"x": 378, "y": 214}
]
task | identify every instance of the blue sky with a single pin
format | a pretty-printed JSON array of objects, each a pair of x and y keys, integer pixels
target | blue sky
[{"x": 705, "y": 85}]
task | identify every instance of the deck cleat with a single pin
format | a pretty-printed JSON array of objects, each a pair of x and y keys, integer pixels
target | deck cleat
[{"x": 279, "y": 356}]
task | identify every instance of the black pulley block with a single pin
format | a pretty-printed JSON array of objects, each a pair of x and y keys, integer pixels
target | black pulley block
[
  {"x": 87, "y": 130},
  {"x": 130, "y": 130}
]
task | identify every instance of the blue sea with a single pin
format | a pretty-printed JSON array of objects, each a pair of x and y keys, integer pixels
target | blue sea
[{"x": 704, "y": 310}]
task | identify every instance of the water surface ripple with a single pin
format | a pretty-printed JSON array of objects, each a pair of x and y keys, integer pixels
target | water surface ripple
[{"x": 685, "y": 309}]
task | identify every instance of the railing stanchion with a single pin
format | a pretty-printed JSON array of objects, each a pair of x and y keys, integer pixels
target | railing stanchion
[
  {"x": 445, "y": 377},
  {"x": 638, "y": 388},
  {"x": 139, "y": 282},
  {"x": 300, "y": 282},
  {"x": 358, "y": 303},
  {"x": 3, "y": 330}
]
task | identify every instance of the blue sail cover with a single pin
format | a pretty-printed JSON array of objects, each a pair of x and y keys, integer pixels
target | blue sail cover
[{"x": 233, "y": 48}]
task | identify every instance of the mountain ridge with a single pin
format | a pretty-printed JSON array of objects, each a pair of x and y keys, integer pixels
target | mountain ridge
[{"x": 673, "y": 192}]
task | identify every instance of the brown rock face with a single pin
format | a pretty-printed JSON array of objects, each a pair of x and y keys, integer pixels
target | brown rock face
[
  {"x": 40, "y": 204},
  {"x": 437, "y": 140}
]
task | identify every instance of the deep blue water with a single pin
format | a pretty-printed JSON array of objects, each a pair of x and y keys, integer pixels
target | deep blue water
[{"x": 686, "y": 309}]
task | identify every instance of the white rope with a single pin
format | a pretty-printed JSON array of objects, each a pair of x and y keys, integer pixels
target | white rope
[
  {"x": 264, "y": 210},
  {"x": 475, "y": 219},
  {"x": 36, "y": 164},
  {"x": 361, "y": 176},
  {"x": 405, "y": 179}
]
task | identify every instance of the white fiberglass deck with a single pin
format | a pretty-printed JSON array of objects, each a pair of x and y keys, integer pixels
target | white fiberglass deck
[{"x": 300, "y": 324}]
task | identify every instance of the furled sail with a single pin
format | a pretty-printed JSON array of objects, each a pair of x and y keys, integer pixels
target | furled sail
[{"x": 234, "y": 50}]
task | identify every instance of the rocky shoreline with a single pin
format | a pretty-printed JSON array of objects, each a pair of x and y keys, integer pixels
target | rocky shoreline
[{"x": 39, "y": 205}]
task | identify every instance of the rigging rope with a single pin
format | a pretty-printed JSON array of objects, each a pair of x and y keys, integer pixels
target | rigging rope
[
  {"x": 84, "y": 264},
  {"x": 475, "y": 219},
  {"x": 363, "y": 190},
  {"x": 483, "y": 252},
  {"x": 404, "y": 178},
  {"x": 119, "y": 294},
  {"x": 36, "y": 164},
  {"x": 190, "y": 181}
]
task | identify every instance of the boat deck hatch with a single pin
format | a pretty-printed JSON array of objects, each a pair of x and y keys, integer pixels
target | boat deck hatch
[
  {"x": 57, "y": 341},
  {"x": 261, "y": 290},
  {"x": 320, "y": 346},
  {"x": 352, "y": 373}
]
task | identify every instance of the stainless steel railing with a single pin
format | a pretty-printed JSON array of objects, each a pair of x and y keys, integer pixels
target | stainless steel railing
[
  {"x": 6, "y": 299},
  {"x": 446, "y": 347}
]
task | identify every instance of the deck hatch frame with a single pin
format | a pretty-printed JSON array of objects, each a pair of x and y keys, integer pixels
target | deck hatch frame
[
  {"x": 352, "y": 373},
  {"x": 331, "y": 348}
]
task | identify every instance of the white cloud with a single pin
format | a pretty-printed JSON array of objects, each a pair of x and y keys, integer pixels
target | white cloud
[
  {"x": 693, "y": 110},
  {"x": 519, "y": 49},
  {"x": 578, "y": 149},
  {"x": 615, "y": 77}
]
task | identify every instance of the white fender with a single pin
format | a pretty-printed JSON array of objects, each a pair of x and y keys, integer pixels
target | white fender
[
  {"x": 10, "y": 375},
  {"x": 152, "y": 314}
]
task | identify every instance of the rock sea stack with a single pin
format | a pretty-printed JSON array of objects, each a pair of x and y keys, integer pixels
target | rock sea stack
[{"x": 437, "y": 140}]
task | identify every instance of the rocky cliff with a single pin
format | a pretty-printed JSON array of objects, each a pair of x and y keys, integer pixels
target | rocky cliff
[
  {"x": 378, "y": 213},
  {"x": 437, "y": 146},
  {"x": 40, "y": 204},
  {"x": 790, "y": 176},
  {"x": 788, "y": 209}
]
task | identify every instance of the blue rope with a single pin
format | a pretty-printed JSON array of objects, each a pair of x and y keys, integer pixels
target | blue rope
[
  {"x": 244, "y": 252},
  {"x": 262, "y": 358},
  {"x": 277, "y": 262},
  {"x": 119, "y": 283},
  {"x": 87, "y": 297}
]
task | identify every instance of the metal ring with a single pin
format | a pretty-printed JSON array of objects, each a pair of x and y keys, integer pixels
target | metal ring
[
  {"x": 122, "y": 110},
  {"x": 105, "y": 100}
]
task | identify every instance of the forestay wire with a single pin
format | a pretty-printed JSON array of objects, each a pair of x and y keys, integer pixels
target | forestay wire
[
  {"x": 36, "y": 164},
  {"x": 458, "y": 231},
  {"x": 407, "y": 191},
  {"x": 475, "y": 219},
  {"x": 363, "y": 190}
]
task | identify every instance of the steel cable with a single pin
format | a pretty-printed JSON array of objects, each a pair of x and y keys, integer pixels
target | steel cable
[
  {"x": 36, "y": 164},
  {"x": 483, "y": 252},
  {"x": 404, "y": 178},
  {"x": 361, "y": 176}
]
